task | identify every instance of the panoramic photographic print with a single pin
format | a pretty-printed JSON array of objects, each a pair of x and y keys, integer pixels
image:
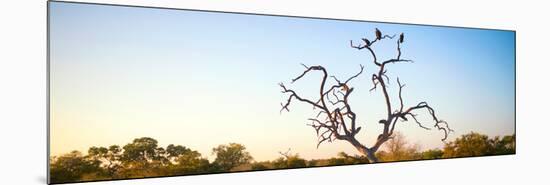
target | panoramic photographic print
[{"x": 140, "y": 92}]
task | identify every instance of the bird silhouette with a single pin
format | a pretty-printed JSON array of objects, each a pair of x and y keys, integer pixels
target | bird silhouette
[
  {"x": 401, "y": 37},
  {"x": 378, "y": 34},
  {"x": 366, "y": 41},
  {"x": 345, "y": 87}
]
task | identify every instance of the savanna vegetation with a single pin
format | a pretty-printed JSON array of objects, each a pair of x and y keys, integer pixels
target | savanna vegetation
[{"x": 144, "y": 158}]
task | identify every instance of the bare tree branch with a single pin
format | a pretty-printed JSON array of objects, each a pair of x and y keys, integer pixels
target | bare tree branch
[
  {"x": 431, "y": 111},
  {"x": 285, "y": 154},
  {"x": 341, "y": 121},
  {"x": 293, "y": 94}
]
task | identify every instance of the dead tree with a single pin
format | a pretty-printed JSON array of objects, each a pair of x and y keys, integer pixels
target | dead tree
[
  {"x": 286, "y": 154},
  {"x": 336, "y": 120}
]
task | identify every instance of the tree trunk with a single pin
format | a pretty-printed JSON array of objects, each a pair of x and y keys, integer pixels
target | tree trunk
[
  {"x": 372, "y": 157},
  {"x": 370, "y": 154}
]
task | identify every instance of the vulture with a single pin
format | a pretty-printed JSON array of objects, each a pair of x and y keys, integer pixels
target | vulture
[
  {"x": 345, "y": 87},
  {"x": 366, "y": 41},
  {"x": 401, "y": 37},
  {"x": 357, "y": 130},
  {"x": 378, "y": 34}
]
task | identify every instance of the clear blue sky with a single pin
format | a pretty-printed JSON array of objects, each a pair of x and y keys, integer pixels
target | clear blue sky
[{"x": 201, "y": 79}]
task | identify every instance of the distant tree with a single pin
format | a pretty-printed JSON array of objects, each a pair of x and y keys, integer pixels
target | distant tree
[
  {"x": 506, "y": 145},
  {"x": 313, "y": 162},
  {"x": 335, "y": 119},
  {"x": 475, "y": 144},
  {"x": 188, "y": 161},
  {"x": 432, "y": 154},
  {"x": 259, "y": 166},
  {"x": 472, "y": 144},
  {"x": 175, "y": 151},
  {"x": 381, "y": 155},
  {"x": 289, "y": 160},
  {"x": 143, "y": 158},
  {"x": 343, "y": 158},
  {"x": 398, "y": 149},
  {"x": 109, "y": 158},
  {"x": 142, "y": 152},
  {"x": 336, "y": 161},
  {"x": 230, "y": 156},
  {"x": 71, "y": 167}
]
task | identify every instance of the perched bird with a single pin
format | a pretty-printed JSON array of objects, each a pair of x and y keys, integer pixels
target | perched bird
[
  {"x": 403, "y": 117},
  {"x": 378, "y": 34},
  {"x": 401, "y": 37},
  {"x": 366, "y": 41},
  {"x": 382, "y": 121},
  {"x": 345, "y": 87},
  {"x": 357, "y": 130}
]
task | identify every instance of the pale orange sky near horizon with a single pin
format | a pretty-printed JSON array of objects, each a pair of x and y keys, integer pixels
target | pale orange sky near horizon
[{"x": 120, "y": 73}]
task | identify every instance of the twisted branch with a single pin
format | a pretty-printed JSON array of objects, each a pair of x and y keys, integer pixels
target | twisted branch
[
  {"x": 339, "y": 119},
  {"x": 336, "y": 114}
]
